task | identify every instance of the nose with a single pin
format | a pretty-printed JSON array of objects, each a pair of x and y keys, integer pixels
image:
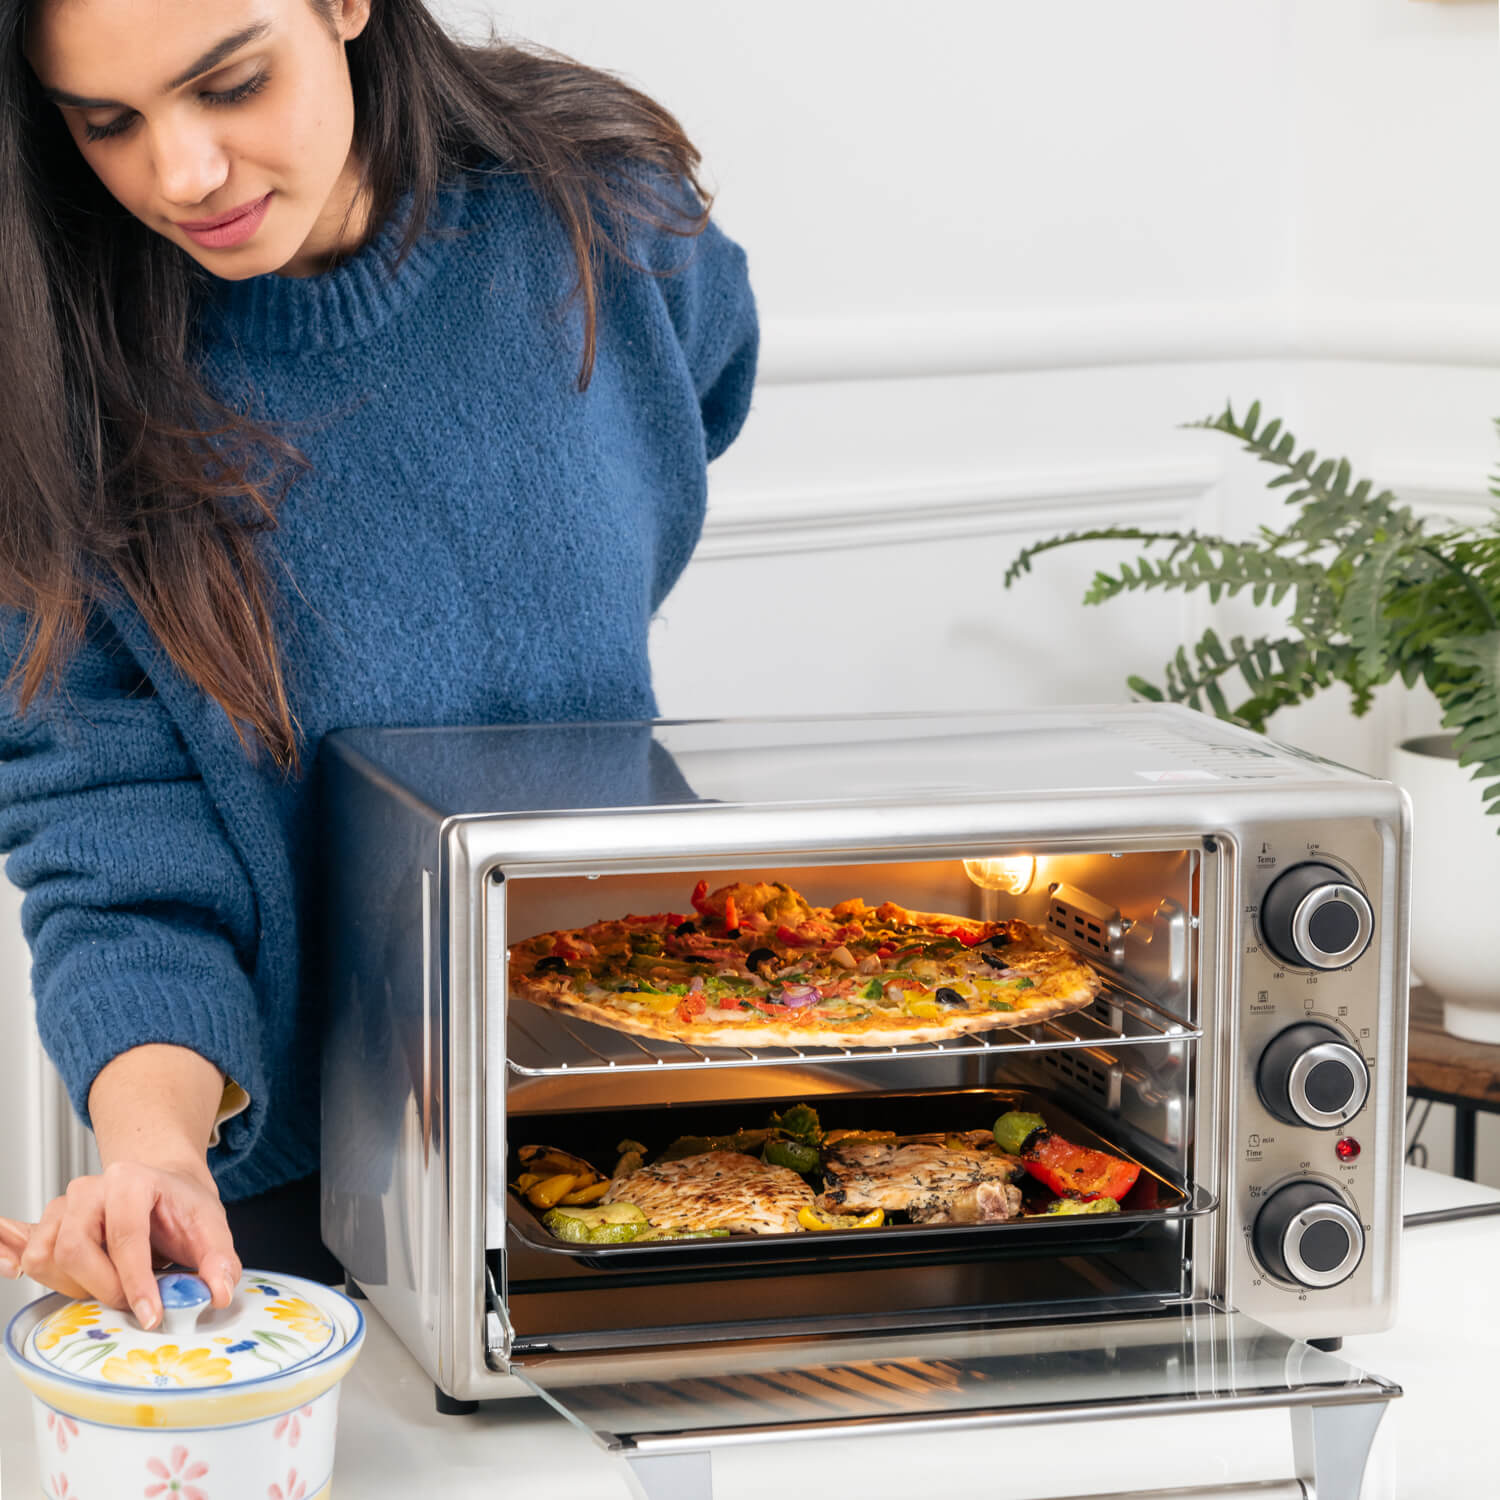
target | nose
[{"x": 191, "y": 163}]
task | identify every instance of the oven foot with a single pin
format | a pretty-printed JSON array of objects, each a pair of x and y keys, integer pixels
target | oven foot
[
  {"x": 1331, "y": 1445},
  {"x": 1328, "y": 1346},
  {"x": 671, "y": 1476},
  {"x": 447, "y": 1406},
  {"x": 352, "y": 1288}
]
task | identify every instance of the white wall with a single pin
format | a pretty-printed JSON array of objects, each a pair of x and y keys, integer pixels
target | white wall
[{"x": 1002, "y": 249}]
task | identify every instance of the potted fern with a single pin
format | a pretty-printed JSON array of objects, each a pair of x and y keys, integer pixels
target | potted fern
[{"x": 1371, "y": 594}]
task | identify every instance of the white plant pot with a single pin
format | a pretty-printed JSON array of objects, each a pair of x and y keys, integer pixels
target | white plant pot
[{"x": 1455, "y": 885}]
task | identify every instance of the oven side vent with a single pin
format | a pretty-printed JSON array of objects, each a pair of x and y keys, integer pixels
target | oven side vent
[{"x": 1088, "y": 923}]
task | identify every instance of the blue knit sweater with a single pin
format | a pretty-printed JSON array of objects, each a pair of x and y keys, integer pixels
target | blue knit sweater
[{"x": 475, "y": 541}]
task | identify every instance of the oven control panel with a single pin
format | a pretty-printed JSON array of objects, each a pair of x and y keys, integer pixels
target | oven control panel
[{"x": 1313, "y": 1173}]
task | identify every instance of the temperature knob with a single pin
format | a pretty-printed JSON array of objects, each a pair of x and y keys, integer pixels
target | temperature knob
[
  {"x": 1309, "y": 1075},
  {"x": 1306, "y": 1234},
  {"x": 1312, "y": 915}
]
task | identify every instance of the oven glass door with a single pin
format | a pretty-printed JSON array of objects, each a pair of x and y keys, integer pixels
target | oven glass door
[{"x": 1195, "y": 1357}]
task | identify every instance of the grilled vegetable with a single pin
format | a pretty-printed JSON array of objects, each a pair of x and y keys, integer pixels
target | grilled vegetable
[
  {"x": 603, "y": 1224},
  {"x": 1074, "y": 1206},
  {"x": 1070, "y": 1171},
  {"x": 590, "y": 1194},
  {"x": 551, "y": 1190},
  {"x": 746, "y": 1141},
  {"x": 800, "y": 1122},
  {"x": 797, "y": 1155},
  {"x": 1014, "y": 1128},
  {"x": 548, "y": 1161},
  {"x": 810, "y": 1218}
]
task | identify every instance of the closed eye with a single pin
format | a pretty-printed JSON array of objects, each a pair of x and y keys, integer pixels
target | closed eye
[{"x": 237, "y": 95}]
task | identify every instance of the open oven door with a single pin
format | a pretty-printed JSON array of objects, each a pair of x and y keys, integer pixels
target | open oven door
[{"x": 666, "y": 1409}]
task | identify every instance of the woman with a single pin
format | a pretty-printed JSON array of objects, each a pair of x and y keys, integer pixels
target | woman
[{"x": 352, "y": 376}]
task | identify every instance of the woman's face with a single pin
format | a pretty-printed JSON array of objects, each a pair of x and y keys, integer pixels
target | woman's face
[{"x": 191, "y": 111}]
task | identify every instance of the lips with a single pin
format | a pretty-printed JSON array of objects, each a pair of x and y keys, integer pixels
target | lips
[{"x": 220, "y": 220}]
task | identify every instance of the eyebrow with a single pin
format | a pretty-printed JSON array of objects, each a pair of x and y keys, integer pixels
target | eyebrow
[{"x": 210, "y": 60}]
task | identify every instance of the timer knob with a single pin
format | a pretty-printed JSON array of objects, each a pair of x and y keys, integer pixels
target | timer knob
[
  {"x": 1309, "y": 1075},
  {"x": 1313, "y": 916},
  {"x": 1306, "y": 1234}
]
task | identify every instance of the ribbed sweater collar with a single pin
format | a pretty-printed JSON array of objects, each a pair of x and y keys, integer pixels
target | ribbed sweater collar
[{"x": 296, "y": 314}]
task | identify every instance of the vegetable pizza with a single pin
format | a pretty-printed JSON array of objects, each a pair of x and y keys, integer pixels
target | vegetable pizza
[{"x": 755, "y": 965}]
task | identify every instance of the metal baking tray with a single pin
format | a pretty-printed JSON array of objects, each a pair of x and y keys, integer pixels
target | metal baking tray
[{"x": 592, "y": 1134}]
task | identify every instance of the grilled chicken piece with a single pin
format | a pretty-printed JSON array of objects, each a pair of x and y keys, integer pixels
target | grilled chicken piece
[
  {"x": 933, "y": 1184},
  {"x": 716, "y": 1190}
]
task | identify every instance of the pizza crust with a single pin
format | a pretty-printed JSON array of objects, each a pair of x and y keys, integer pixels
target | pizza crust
[{"x": 874, "y": 1035}]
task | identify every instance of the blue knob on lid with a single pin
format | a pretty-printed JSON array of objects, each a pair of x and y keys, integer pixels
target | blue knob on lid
[{"x": 184, "y": 1299}]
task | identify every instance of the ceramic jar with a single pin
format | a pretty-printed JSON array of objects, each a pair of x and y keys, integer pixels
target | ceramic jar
[
  {"x": 238, "y": 1403},
  {"x": 1455, "y": 880}
]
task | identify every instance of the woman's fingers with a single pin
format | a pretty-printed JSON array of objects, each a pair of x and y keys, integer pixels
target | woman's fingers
[
  {"x": 15, "y": 1235},
  {"x": 130, "y": 1196},
  {"x": 97, "y": 1241}
]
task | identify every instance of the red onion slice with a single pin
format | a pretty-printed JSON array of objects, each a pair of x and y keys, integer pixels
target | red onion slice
[{"x": 795, "y": 996}]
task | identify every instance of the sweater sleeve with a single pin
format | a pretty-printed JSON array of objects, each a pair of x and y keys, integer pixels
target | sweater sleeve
[
  {"x": 140, "y": 917},
  {"x": 705, "y": 283}
]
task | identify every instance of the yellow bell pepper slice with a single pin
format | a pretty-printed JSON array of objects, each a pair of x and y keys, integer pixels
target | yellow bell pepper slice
[
  {"x": 589, "y": 1194},
  {"x": 550, "y": 1190},
  {"x": 810, "y": 1218}
]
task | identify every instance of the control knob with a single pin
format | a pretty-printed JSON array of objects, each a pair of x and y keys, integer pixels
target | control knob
[
  {"x": 1313, "y": 916},
  {"x": 1310, "y": 1075},
  {"x": 1306, "y": 1233}
]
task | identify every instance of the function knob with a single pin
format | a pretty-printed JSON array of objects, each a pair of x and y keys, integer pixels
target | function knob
[
  {"x": 1309, "y": 1075},
  {"x": 1306, "y": 1233},
  {"x": 1312, "y": 915}
]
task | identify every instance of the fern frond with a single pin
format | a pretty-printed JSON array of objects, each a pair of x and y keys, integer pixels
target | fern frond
[
  {"x": 1471, "y": 705},
  {"x": 1022, "y": 561}
]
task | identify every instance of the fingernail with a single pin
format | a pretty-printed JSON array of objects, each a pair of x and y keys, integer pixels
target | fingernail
[{"x": 145, "y": 1314}]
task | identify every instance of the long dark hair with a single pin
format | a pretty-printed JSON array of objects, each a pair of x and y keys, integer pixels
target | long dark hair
[{"x": 120, "y": 473}]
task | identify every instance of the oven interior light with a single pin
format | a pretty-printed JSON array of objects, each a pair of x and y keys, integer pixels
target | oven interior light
[
  {"x": 1347, "y": 1148},
  {"x": 1013, "y": 874}
]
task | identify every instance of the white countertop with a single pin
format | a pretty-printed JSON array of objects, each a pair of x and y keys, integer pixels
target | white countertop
[{"x": 1442, "y": 1351}]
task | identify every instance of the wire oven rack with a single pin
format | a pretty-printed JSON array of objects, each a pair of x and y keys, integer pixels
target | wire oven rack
[{"x": 545, "y": 1043}]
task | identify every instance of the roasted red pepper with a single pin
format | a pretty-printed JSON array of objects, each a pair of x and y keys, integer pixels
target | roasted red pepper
[
  {"x": 1076, "y": 1171},
  {"x": 731, "y": 916},
  {"x": 700, "y": 893}
]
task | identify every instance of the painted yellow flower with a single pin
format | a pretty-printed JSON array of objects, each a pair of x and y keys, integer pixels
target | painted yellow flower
[
  {"x": 301, "y": 1317},
  {"x": 168, "y": 1365},
  {"x": 65, "y": 1324}
]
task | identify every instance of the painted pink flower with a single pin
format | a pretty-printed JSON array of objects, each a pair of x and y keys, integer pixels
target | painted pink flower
[
  {"x": 296, "y": 1489},
  {"x": 62, "y": 1428},
  {"x": 291, "y": 1426},
  {"x": 60, "y": 1488},
  {"x": 174, "y": 1480}
]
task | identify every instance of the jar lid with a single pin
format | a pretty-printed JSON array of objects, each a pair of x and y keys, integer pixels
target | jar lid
[{"x": 273, "y": 1324}]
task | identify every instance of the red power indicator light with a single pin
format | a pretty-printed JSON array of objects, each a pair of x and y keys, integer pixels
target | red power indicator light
[{"x": 1347, "y": 1149}]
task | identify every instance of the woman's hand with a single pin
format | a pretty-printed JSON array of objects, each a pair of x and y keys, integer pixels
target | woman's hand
[
  {"x": 153, "y": 1110},
  {"x": 98, "y": 1240}
]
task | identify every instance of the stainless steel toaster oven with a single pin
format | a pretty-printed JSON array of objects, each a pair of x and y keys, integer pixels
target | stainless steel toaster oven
[{"x": 1244, "y": 903}]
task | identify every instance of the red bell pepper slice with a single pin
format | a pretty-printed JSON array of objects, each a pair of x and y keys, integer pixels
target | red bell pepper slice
[
  {"x": 700, "y": 893},
  {"x": 731, "y": 916},
  {"x": 1076, "y": 1171}
]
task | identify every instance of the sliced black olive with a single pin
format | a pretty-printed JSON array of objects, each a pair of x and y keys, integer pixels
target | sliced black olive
[
  {"x": 551, "y": 964},
  {"x": 629, "y": 986},
  {"x": 951, "y": 998},
  {"x": 731, "y": 932},
  {"x": 995, "y": 963},
  {"x": 683, "y": 928},
  {"x": 1000, "y": 940},
  {"x": 759, "y": 956}
]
